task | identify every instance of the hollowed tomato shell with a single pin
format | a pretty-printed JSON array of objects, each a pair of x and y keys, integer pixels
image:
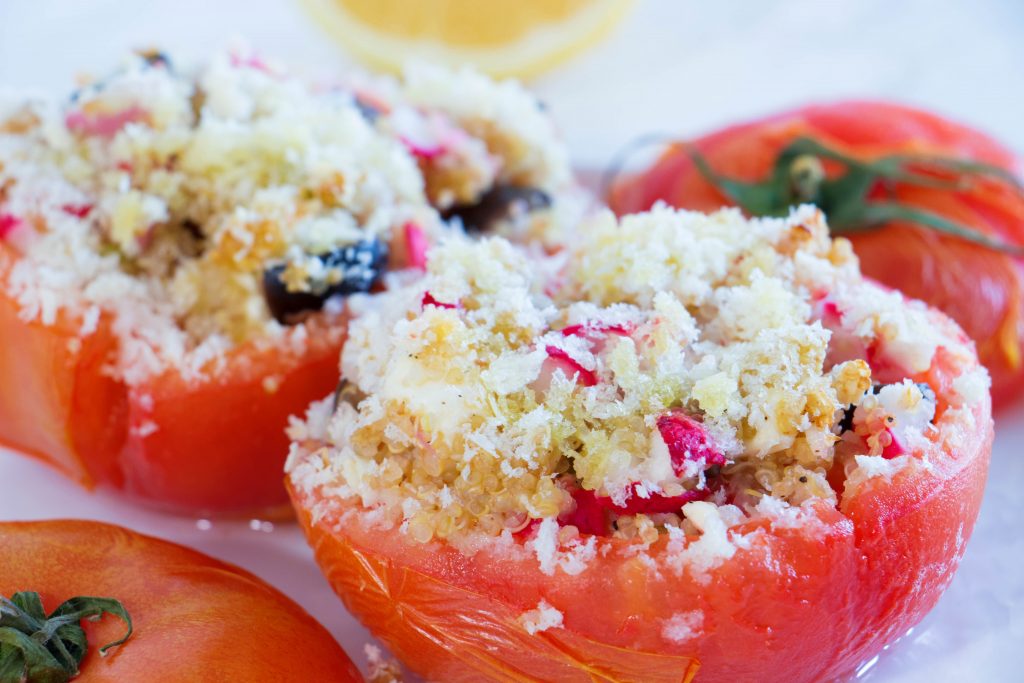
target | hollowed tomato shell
[
  {"x": 807, "y": 600},
  {"x": 195, "y": 618},
  {"x": 983, "y": 290},
  {"x": 215, "y": 446}
]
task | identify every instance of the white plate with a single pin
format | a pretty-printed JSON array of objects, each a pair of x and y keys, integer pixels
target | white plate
[{"x": 682, "y": 66}]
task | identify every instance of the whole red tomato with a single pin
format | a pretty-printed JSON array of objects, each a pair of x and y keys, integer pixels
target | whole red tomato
[
  {"x": 193, "y": 618},
  {"x": 898, "y": 182}
]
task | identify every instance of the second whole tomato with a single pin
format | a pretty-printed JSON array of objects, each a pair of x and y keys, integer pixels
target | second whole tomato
[{"x": 932, "y": 207}]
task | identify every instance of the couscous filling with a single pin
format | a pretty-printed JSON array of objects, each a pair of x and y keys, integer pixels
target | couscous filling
[
  {"x": 214, "y": 207},
  {"x": 663, "y": 363}
]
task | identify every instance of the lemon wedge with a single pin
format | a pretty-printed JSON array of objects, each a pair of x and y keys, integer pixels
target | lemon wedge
[{"x": 499, "y": 37}]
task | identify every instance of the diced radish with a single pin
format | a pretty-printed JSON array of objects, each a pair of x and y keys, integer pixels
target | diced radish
[
  {"x": 883, "y": 368},
  {"x": 596, "y": 334},
  {"x": 687, "y": 440},
  {"x": 429, "y": 300},
  {"x": 591, "y": 330},
  {"x": 894, "y": 447},
  {"x": 8, "y": 223},
  {"x": 589, "y": 515},
  {"x": 560, "y": 360},
  {"x": 249, "y": 61},
  {"x": 77, "y": 210},
  {"x": 826, "y": 309},
  {"x": 416, "y": 246},
  {"x": 830, "y": 310},
  {"x": 527, "y": 531},
  {"x": 422, "y": 150},
  {"x": 104, "y": 125},
  {"x": 653, "y": 504}
]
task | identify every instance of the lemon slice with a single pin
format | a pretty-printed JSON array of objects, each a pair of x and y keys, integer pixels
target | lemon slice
[{"x": 500, "y": 37}]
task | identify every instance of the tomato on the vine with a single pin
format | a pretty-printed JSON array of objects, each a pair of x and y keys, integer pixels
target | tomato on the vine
[
  {"x": 188, "y": 617},
  {"x": 932, "y": 207}
]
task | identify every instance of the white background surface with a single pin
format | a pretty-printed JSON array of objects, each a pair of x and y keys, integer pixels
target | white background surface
[{"x": 682, "y": 66}]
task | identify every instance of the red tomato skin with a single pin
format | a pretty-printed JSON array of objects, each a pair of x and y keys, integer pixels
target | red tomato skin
[
  {"x": 195, "y": 618},
  {"x": 982, "y": 290},
  {"x": 807, "y": 603},
  {"x": 211, "y": 447}
]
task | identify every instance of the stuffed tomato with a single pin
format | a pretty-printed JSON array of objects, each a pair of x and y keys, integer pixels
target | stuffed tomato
[
  {"x": 692, "y": 446},
  {"x": 165, "y": 613},
  {"x": 933, "y": 208},
  {"x": 176, "y": 249}
]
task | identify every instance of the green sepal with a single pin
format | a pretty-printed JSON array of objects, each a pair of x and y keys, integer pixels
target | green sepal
[
  {"x": 27, "y": 661},
  {"x": 94, "y": 608},
  {"x": 36, "y": 648},
  {"x": 844, "y": 198}
]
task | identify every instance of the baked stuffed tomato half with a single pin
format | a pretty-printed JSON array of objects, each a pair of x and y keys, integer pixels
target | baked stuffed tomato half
[
  {"x": 176, "y": 248},
  {"x": 165, "y": 613},
  {"x": 933, "y": 208},
  {"x": 694, "y": 445}
]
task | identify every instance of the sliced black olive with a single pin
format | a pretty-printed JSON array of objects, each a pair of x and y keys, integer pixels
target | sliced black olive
[
  {"x": 193, "y": 229},
  {"x": 361, "y": 265},
  {"x": 501, "y": 203},
  {"x": 282, "y": 303},
  {"x": 356, "y": 267},
  {"x": 846, "y": 423}
]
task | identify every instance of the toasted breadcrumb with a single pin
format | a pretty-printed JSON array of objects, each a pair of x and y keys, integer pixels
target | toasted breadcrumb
[{"x": 540, "y": 619}]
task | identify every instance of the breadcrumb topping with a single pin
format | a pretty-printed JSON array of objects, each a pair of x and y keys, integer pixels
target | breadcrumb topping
[
  {"x": 208, "y": 208},
  {"x": 670, "y": 373},
  {"x": 541, "y": 619}
]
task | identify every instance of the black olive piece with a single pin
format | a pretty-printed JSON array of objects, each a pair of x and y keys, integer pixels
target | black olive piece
[
  {"x": 347, "y": 392},
  {"x": 360, "y": 265},
  {"x": 500, "y": 203},
  {"x": 193, "y": 229},
  {"x": 846, "y": 423},
  {"x": 283, "y": 304}
]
